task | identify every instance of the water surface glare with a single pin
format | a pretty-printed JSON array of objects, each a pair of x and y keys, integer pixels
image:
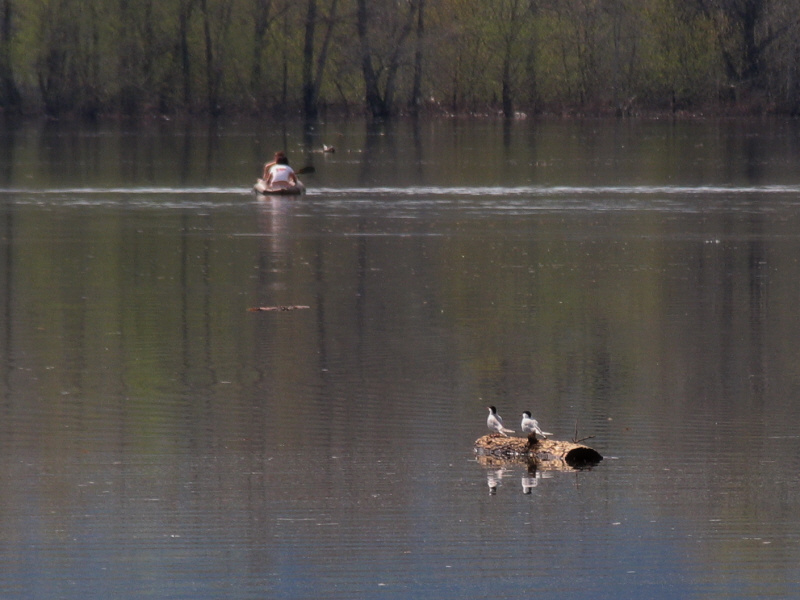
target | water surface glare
[
  {"x": 488, "y": 200},
  {"x": 632, "y": 284}
]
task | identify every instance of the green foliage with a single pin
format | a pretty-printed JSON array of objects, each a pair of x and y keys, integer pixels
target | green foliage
[
  {"x": 682, "y": 50},
  {"x": 210, "y": 56}
]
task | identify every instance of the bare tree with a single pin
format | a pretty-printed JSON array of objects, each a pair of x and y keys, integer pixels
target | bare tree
[
  {"x": 9, "y": 93},
  {"x": 216, "y": 24},
  {"x": 512, "y": 19},
  {"x": 745, "y": 31},
  {"x": 380, "y": 62},
  {"x": 314, "y": 62},
  {"x": 182, "y": 54},
  {"x": 416, "y": 87}
]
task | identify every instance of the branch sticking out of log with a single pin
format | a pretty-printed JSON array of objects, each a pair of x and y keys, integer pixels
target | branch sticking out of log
[
  {"x": 547, "y": 454},
  {"x": 575, "y": 439}
]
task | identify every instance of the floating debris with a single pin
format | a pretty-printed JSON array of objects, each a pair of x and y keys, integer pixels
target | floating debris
[
  {"x": 277, "y": 308},
  {"x": 547, "y": 454}
]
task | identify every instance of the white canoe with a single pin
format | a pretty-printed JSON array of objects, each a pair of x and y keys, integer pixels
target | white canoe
[{"x": 293, "y": 190}]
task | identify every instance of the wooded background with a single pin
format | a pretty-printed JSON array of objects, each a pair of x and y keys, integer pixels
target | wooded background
[{"x": 385, "y": 57}]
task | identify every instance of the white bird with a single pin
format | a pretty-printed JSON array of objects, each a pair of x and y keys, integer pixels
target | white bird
[
  {"x": 530, "y": 425},
  {"x": 495, "y": 422}
]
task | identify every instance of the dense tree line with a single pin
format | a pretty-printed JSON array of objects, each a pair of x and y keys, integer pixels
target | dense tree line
[{"x": 391, "y": 56}]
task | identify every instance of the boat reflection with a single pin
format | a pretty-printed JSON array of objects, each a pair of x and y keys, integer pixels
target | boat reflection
[{"x": 274, "y": 215}]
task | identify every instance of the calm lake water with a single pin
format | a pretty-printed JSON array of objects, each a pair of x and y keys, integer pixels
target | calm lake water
[{"x": 636, "y": 280}]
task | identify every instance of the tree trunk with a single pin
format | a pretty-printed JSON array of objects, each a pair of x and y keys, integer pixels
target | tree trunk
[
  {"x": 211, "y": 84},
  {"x": 507, "y": 100},
  {"x": 380, "y": 104},
  {"x": 126, "y": 66},
  {"x": 394, "y": 62},
  {"x": 309, "y": 93},
  {"x": 322, "y": 56},
  {"x": 184, "y": 58},
  {"x": 416, "y": 89},
  {"x": 261, "y": 19},
  {"x": 314, "y": 63},
  {"x": 742, "y": 54},
  {"x": 375, "y": 103},
  {"x": 57, "y": 73},
  {"x": 89, "y": 86},
  {"x": 9, "y": 92},
  {"x": 751, "y": 17}
]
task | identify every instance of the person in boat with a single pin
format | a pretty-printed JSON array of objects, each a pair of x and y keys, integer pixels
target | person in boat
[
  {"x": 272, "y": 163},
  {"x": 278, "y": 173}
]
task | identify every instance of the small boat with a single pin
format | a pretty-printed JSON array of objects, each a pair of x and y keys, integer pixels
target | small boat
[{"x": 285, "y": 190}]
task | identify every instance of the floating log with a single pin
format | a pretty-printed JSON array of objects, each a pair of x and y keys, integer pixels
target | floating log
[
  {"x": 548, "y": 455},
  {"x": 281, "y": 308}
]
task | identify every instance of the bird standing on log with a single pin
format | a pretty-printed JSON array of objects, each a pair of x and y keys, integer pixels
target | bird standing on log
[
  {"x": 531, "y": 426},
  {"x": 495, "y": 422}
]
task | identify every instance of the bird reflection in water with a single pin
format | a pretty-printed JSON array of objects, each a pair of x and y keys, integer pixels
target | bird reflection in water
[
  {"x": 531, "y": 478},
  {"x": 528, "y": 482},
  {"x": 493, "y": 479}
]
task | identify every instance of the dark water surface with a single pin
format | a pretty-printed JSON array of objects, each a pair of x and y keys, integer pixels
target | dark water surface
[{"x": 157, "y": 439}]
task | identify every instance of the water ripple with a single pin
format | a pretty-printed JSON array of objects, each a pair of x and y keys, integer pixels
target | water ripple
[
  {"x": 415, "y": 191},
  {"x": 539, "y": 191},
  {"x": 408, "y": 201}
]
